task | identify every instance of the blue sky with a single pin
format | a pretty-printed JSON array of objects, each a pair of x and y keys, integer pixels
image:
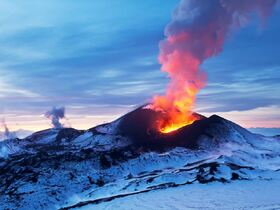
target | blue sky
[{"x": 99, "y": 60}]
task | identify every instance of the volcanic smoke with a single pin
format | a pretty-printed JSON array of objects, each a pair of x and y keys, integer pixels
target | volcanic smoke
[
  {"x": 197, "y": 32},
  {"x": 7, "y": 133},
  {"x": 55, "y": 115}
]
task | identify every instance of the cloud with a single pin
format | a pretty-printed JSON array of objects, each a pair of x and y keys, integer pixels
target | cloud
[
  {"x": 243, "y": 90},
  {"x": 7, "y": 90},
  {"x": 258, "y": 117},
  {"x": 49, "y": 56}
]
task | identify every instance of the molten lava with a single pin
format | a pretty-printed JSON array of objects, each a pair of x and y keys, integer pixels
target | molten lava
[
  {"x": 173, "y": 125},
  {"x": 176, "y": 108}
]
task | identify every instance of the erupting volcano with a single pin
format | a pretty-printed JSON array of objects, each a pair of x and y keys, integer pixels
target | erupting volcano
[
  {"x": 197, "y": 32},
  {"x": 165, "y": 154}
]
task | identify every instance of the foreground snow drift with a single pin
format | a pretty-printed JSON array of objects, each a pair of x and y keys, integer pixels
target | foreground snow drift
[{"x": 257, "y": 195}]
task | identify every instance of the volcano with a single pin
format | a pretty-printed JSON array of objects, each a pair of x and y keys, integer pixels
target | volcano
[
  {"x": 131, "y": 158},
  {"x": 141, "y": 127}
]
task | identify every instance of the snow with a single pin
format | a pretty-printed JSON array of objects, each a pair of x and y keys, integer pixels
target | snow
[
  {"x": 102, "y": 165},
  {"x": 100, "y": 142},
  {"x": 8, "y": 147},
  {"x": 178, "y": 166},
  {"x": 257, "y": 194},
  {"x": 110, "y": 128},
  {"x": 16, "y": 146}
]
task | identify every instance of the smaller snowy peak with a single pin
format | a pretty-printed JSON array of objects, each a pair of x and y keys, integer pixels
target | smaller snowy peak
[
  {"x": 44, "y": 136},
  {"x": 108, "y": 128},
  {"x": 54, "y": 135}
]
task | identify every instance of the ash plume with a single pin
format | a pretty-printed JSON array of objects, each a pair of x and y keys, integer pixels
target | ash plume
[
  {"x": 197, "y": 32},
  {"x": 7, "y": 133},
  {"x": 55, "y": 115}
]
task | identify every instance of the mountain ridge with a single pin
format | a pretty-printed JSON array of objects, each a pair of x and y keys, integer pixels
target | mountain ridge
[{"x": 105, "y": 162}]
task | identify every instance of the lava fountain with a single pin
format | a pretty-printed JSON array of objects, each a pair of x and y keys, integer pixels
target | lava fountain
[{"x": 197, "y": 32}]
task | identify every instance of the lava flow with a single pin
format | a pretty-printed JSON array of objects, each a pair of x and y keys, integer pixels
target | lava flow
[{"x": 197, "y": 32}]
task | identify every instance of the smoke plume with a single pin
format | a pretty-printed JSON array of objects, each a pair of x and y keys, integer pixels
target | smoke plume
[
  {"x": 55, "y": 115},
  {"x": 7, "y": 133},
  {"x": 197, "y": 32}
]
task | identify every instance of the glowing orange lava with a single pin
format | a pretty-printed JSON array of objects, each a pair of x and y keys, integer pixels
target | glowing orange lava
[
  {"x": 177, "y": 125},
  {"x": 177, "y": 113},
  {"x": 186, "y": 81}
]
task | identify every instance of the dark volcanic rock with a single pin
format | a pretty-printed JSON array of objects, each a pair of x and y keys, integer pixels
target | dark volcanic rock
[
  {"x": 68, "y": 134},
  {"x": 190, "y": 135},
  {"x": 140, "y": 127}
]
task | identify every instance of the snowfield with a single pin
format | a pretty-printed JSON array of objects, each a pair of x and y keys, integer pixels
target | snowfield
[
  {"x": 103, "y": 168},
  {"x": 257, "y": 195}
]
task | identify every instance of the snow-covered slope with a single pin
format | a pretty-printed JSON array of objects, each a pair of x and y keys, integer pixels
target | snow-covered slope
[
  {"x": 107, "y": 165},
  {"x": 18, "y": 133},
  {"x": 259, "y": 194}
]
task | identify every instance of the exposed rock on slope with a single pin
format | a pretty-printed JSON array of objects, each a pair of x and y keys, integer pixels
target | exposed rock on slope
[{"x": 70, "y": 168}]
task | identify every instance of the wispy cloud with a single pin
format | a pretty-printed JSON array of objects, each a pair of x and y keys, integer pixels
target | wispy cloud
[
  {"x": 102, "y": 61},
  {"x": 8, "y": 90}
]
